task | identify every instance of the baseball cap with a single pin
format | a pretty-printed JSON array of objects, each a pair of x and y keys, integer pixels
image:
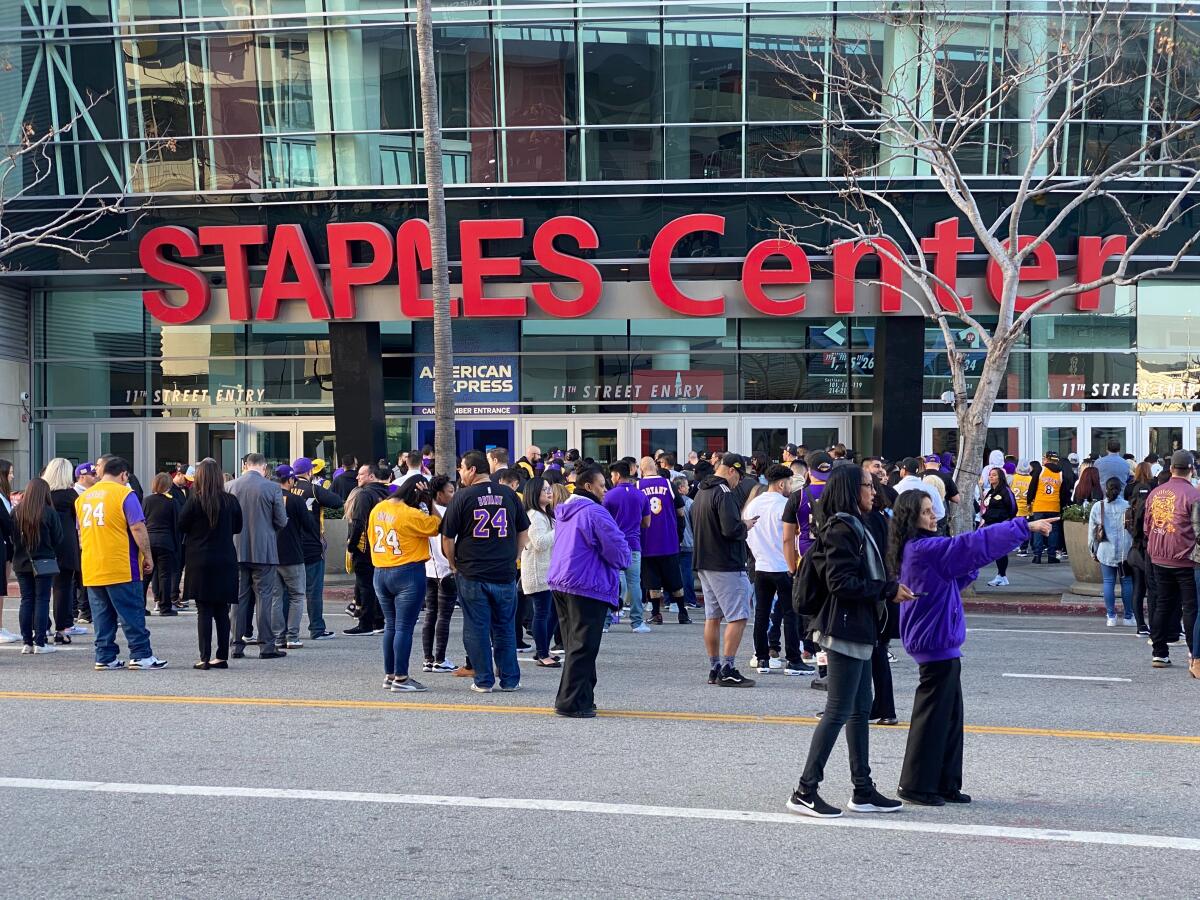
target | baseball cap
[
  {"x": 301, "y": 466},
  {"x": 932, "y": 457},
  {"x": 190, "y": 474},
  {"x": 733, "y": 461},
  {"x": 86, "y": 468},
  {"x": 791, "y": 448},
  {"x": 1073, "y": 458},
  {"x": 284, "y": 472},
  {"x": 1182, "y": 459},
  {"x": 819, "y": 461},
  {"x": 318, "y": 466}
]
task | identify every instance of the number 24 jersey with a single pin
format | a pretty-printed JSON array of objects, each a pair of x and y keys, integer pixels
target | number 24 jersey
[{"x": 484, "y": 520}]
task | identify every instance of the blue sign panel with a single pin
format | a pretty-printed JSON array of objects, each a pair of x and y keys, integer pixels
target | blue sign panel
[{"x": 485, "y": 373}]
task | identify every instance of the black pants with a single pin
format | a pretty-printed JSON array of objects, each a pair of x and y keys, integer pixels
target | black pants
[
  {"x": 848, "y": 704},
  {"x": 1176, "y": 597},
  {"x": 933, "y": 759},
  {"x": 1139, "y": 597},
  {"x": 64, "y": 599},
  {"x": 166, "y": 563},
  {"x": 884, "y": 704},
  {"x": 1002, "y": 566},
  {"x": 524, "y": 613},
  {"x": 581, "y": 620},
  {"x": 370, "y": 615},
  {"x": 768, "y": 585},
  {"x": 208, "y": 616},
  {"x": 440, "y": 595}
]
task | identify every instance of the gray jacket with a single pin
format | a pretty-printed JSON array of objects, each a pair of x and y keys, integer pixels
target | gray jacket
[{"x": 263, "y": 514}]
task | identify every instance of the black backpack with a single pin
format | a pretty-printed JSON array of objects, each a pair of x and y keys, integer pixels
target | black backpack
[{"x": 809, "y": 592}]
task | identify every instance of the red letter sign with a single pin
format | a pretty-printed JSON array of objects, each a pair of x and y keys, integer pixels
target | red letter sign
[
  {"x": 660, "y": 265},
  {"x": 155, "y": 266},
  {"x": 846, "y": 256},
  {"x": 1044, "y": 268},
  {"x": 289, "y": 245},
  {"x": 754, "y": 276},
  {"x": 1092, "y": 254},
  {"x": 233, "y": 241},
  {"x": 945, "y": 245},
  {"x": 414, "y": 252},
  {"x": 475, "y": 266},
  {"x": 568, "y": 266},
  {"x": 343, "y": 274}
]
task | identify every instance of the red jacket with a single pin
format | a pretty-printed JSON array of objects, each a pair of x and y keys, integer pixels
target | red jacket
[{"x": 1170, "y": 537}]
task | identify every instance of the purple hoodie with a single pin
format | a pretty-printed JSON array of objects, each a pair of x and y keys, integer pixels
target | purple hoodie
[
  {"x": 589, "y": 551},
  {"x": 933, "y": 626}
]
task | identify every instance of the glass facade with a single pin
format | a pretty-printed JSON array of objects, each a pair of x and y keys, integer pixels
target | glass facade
[{"x": 178, "y": 96}]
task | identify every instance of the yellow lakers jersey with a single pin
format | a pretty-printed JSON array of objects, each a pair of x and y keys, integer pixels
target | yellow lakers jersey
[
  {"x": 398, "y": 534},
  {"x": 107, "y": 550},
  {"x": 1020, "y": 487},
  {"x": 1048, "y": 498}
]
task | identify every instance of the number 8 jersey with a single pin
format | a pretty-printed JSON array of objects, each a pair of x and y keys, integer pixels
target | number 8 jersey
[{"x": 107, "y": 550}]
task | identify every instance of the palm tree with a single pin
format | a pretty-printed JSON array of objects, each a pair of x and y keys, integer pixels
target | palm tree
[{"x": 445, "y": 452}]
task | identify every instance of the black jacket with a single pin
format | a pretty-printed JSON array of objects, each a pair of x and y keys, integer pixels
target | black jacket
[
  {"x": 162, "y": 522},
  {"x": 359, "y": 514},
  {"x": 68, "y": 550},
  {"x": 717, "y": 528},
  {"x": 49, "y": 537},
  {"x": 1001, "y": 505},
  {"x": 315, "y": 498},
  {"x": 855, "y": 608},
  {"x": 300, "y": 530},
  {"x": 345, "y": 484}
]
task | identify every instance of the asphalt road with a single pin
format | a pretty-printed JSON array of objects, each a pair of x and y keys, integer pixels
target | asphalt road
[{"x": 301, "y": 776}]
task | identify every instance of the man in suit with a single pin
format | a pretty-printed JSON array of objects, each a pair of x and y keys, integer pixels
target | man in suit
[{"x": 263, "y": 515}]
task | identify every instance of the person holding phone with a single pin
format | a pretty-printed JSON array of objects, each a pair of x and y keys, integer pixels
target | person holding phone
[{"x": 933, "y": 629}]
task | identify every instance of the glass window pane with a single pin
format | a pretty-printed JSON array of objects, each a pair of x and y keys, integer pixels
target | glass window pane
[
  {"x": 217, "y": 442},
  {"x": 784, "y": 151},
  {"x": 120, "y": 443},
  {"x": 625, "y": 154},
  {"x": 784, "y": 80},
  {"x": 549, "y": 439},
  {"x": 704, "y": 153},
  {"x": 622, "y": 70},
  {"x": 702, "y": 63},
  {"x": 820, "y": 437},
  {"x": 600, "y": 444},
  {"x": 320, "y": 444},
  {"x": 1101, "y": 435},
  {"x": 1165, "y": 439},
  {"x": 1059, "y": 440},
  {"x": 707, "y": 441},
  {"x": 770, "y": 441},
  {"x": 170, "y": 450},
  {"x": 224, "y": 96},
  {"x": 655, "y": 439},
  {"x": 276, "y": 446},
  {"x": 72, "y": 445},
  {"x": 466, "y": 89},
  {"x": 540, "y": 80},
  {"x": 542, "y": 155}
]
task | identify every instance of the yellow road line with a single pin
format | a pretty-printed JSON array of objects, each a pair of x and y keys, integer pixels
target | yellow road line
[{"x": 657, "y": 715}]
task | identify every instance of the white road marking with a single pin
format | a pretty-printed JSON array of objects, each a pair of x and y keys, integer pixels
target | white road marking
[
  {"x": 891, "y": 823},
  {"x": 1063, "y": 677},
  {"x": 1122, "y": 633}
]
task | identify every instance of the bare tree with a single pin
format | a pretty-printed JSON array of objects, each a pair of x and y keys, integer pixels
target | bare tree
[
  {"x": 445, "y": 452},
  {"x": 86, "y": 222},
  {"x": 939, "y": 104}
]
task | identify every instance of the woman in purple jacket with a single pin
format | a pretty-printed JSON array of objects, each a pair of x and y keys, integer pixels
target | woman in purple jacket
[
  {"x": 933, "y": 628},
  {"x": 590, "y": 551}
]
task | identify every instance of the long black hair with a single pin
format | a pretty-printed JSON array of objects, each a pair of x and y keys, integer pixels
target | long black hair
[
  {"x": 841, "y": 492},
  {"x": 906, "y": 517},
  {"x": 532, "y": 495},
  {"x": 1113, "y": 489},
  {"x": 208, "y": 488}
]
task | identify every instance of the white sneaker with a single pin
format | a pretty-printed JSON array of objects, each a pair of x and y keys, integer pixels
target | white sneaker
[
  {"x": 641, "y": 629},
  {"x": 7, "y": 637},
  {"x": 294, "y": 645},
  {"x": 150, "y": 662},
  {"x": 776, "y": 663},
  {"x": 754, "y": 662},
  {"x": 45, "y": 648},
  {"x": 764, "y": 670},
  {"x": 1110, "y": 621},
  {"x": 76, "y": 629},
  {"x": 1003, "y": 581},
  {"x": 1130, "y": 622},
  {"x": 27, "y": 649},
  {"x": 447, "y": 665},
  {"x": 996, "y": 582}
]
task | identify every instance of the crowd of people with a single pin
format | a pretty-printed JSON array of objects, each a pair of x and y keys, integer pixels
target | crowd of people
[{"x": 826, "y": 559}]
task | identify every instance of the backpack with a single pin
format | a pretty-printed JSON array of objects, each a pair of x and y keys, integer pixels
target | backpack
[{"x": 809, "y": 592}]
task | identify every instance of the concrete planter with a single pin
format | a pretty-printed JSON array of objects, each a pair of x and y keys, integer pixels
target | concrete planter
[
  {"x": 1088, "y": 580},
  {"x": 335, "y": 550}
]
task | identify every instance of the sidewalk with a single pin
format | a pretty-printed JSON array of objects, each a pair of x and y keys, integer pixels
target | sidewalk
[{"x": 1043, "y": 589}]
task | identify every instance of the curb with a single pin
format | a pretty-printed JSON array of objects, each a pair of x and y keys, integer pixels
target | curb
[{"x": 1043, "y": 605}]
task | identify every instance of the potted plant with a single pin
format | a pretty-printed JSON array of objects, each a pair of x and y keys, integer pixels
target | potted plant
[{"x": 1083, "y": 565}]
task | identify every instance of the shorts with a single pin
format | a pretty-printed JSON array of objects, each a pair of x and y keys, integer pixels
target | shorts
[
  {"x": 662, "y": 573},
  {"x": 726, "y": 595}
]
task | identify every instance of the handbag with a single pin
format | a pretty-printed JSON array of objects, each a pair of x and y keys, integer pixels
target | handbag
[
  {"x": 44, "y": 567},
  {"x": 1099, "y": 533}
]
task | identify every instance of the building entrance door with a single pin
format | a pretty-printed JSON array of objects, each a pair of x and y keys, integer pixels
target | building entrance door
[
  {"x": 168, "y": 444},
  {"x": 1163, "y": 435},
  {"x": 471, "y": 434}
]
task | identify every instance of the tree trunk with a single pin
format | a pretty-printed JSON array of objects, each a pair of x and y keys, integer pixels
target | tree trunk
[
  {"x": 973, "y": 421},
  {"x": 445, "y": 452}
]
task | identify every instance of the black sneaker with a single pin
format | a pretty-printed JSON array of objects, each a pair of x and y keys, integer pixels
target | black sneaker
[
  {"x": 956, "y": 797},
  {"x": 714, "y": 674},
  {"x": 731, "y": 677},
  {"x": 1037, "y": 560},
  {"x": 168, "y": 611},
  {"x": 1054, "y": 561},
  {"x": 812, "y": 805},
  {"x": 873, "y": 802},
  {"x": 921, "y": 799},
  {"x": 357, "y": 630}
]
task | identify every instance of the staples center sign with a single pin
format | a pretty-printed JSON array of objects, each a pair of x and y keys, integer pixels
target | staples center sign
[{"x": 294, "y": 284}]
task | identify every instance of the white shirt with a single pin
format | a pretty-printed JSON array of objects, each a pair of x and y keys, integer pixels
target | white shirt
[
  {"x": 913, "y": 483},
  {"x": 765, "y": 539},
  {"x": 437, "y": 566}
]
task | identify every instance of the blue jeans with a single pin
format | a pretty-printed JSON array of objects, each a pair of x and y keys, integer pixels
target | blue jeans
[
  {"x": 314, "y": 589},
  {"x": 1045, "y": 543},
  {"x": 489, "y": 616},
  {"x": 689, "y": 580},
  {"x": 1111, "y": 574},
  {"x": 121, "y": 603},
  {"x": 631, "y": 583},
  {"x": 401, "y": 593},
  {"x": 545, "y": 620},
  {"x": 35, "y": 607}
]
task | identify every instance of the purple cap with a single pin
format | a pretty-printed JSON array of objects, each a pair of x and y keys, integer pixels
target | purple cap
[
  {"x": 86, "y": 468},
  {"x": 302, "y": 466},
  {"x": 933, "y": 457},
  {"x": 284, "y": 472}
]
